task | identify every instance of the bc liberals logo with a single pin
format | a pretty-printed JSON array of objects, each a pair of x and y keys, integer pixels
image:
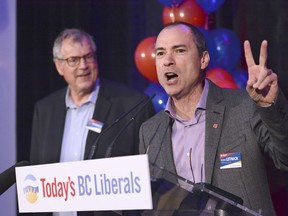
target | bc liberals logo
[{"x": 31, "y": 188}]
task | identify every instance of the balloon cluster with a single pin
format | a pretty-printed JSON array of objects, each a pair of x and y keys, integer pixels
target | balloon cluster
[{"x": 223, "y": 45}]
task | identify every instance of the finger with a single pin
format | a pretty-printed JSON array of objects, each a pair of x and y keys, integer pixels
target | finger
[
  {"x": 248, "y": 54},
  {"x": 261, "y": 75},
  {"x": 252, "y": 92},
  {"x": 251, "y": 82},
  {"x": 268, "y": 80},
  {"x": 263, "y": 54}
]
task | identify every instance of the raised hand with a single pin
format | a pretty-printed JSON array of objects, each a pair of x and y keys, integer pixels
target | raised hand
[{"x": 262, "y": 84}]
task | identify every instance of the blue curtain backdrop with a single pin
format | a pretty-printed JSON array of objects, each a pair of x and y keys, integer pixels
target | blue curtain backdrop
[{"x": 118, "y": 26}]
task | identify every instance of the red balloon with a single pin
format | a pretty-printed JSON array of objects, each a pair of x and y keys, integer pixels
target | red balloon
[
  {"x": 188, "y": 11},
  {"x": 221, "y": 77},
  {"x": 227, "y": 84},
  {"x": 144, "y": 58},
  {"x": 218, "y": 74}
]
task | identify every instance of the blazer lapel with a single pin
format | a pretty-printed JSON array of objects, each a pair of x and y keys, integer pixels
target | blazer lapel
[
  {"x": 166, "y": 145},
  {"x": 56, "y": 124},
  {"x": 160, "y": 151},
  {"x": 214, "y": 121},
  {"x": 101, "y": 112}
]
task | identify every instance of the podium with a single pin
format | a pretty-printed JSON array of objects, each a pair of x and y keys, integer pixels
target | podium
[
  {"x": 138, "y": 189},
  {"x": 170, "y": 199}
]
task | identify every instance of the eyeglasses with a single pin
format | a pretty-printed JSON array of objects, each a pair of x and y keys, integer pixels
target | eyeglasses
[{"x": 75, "y": 60}]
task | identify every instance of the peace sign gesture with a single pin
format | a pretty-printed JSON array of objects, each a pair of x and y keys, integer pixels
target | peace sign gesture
[{"x": 262, "y": 84}]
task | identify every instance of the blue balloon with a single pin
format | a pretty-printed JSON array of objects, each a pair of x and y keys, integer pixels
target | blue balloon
[
  {"x": 160, "y": 99},
  {"x": 210, "y": 46},
  {"x": 240, "y": 77},
  {"x": 210, "y": 5},
  {"x": 170, "y": 3},
  {"x": 228, "y": 49}
]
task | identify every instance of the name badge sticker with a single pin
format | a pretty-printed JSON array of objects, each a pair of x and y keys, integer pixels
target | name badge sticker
[
  {"x": 94, "y": 125},
  {"x": 230, "y": 160}
]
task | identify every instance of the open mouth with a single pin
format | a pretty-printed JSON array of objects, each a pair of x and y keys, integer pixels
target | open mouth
[{"x": 170, "y": 76}]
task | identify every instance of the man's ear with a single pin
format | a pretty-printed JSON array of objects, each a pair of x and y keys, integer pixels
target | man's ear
[
  {"x": 58, "y": 66},
  {"x": 205, "y": 59}
]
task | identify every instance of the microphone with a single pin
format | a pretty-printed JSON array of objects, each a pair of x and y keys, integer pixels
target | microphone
[
  {"x": 8, "y": 177},
  {"x": 94, "y": 146},
  {"x": 171, "y": 121},
  {"x": 111, "y": 145}
]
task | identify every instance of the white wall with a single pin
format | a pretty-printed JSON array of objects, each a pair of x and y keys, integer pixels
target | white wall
[{"x": 8, "y": 99}]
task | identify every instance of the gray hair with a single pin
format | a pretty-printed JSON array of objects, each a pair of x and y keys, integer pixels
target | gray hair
[{"x": 76, "y": 35}]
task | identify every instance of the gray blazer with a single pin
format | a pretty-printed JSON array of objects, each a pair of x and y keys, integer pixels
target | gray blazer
[{"x": 242, "y": 127}]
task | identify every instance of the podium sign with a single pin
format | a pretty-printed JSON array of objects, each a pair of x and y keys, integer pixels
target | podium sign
[{"x": 119, "y": 183}]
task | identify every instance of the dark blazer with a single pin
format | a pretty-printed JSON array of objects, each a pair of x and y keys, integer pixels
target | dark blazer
[
  {"x": 234, "y": 123},
  {"x": 113, "y": 101}
]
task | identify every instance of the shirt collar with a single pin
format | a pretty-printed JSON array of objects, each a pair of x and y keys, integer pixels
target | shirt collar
[
  {"x": 92, "y": 97},
  {"x": 201, "y": 104}
]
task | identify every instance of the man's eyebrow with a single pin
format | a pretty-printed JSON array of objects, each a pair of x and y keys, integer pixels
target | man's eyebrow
[
  {"x": 173, "y": 47},
  {"x": 179, "y": 46},
  {"x": 159, "y": 48}
]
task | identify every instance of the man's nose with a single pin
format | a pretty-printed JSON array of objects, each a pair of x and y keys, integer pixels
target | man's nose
[
  {"x": 82, "y": 62},
  {"x": 169, "y": 59}
]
